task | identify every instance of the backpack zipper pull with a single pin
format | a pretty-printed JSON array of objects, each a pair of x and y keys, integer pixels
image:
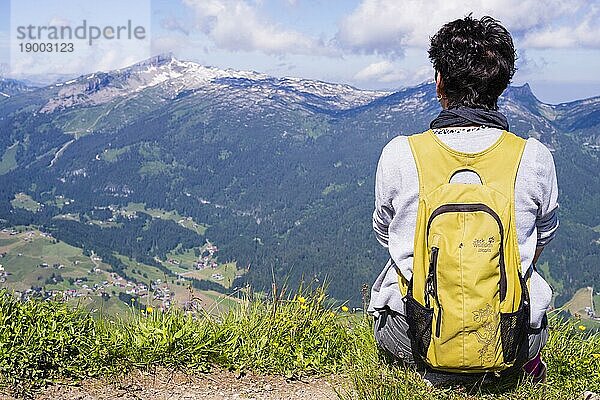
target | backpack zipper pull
[
  {"x": 430, "y": 279},
  {"x": 428, "y": 290},
  {"x": 438, "y": 322}
]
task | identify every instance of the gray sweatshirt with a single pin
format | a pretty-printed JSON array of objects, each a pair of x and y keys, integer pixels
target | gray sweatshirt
[{"x": 396, "y": 201}]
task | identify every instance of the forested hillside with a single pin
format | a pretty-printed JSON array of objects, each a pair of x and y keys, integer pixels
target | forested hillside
[{"x": 280, "y": 172}]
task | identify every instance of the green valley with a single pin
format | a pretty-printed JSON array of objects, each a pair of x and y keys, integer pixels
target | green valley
[{"x": 36, "y": 265}]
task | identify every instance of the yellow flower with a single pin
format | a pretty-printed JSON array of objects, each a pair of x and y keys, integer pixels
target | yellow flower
[
  {"x": 301, "y": 300},
  {"x": 303, "y": 306},
  {"x": 149, "y": 309},
  {"x": 331, "y": 314},
  {"x": 581, "y": 328},
  {"x": 596, "y": 355},
  {"x": 345, "y": 309},
  {"x": 133, "y": 299}
]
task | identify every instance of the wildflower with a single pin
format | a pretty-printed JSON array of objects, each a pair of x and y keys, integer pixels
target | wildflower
[
  {"x": 581, "y": 328},
  {"x": 331, "y": 314},
  {"x": 303, "y": 306},
  {"x": 345, "y": 309},
  {"x": 149, "y": 309},
  {"x": 301, "y": 300},
  {"x": 596, "y": 355}
]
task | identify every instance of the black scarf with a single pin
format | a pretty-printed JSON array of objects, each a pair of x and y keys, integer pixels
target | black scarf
[{"x": 465, "y": 116}]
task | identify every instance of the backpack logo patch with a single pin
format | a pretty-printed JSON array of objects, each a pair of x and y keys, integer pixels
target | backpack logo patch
[{"x": 484, "y": 245}]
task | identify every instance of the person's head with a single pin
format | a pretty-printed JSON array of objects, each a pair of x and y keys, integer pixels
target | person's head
[{"x": 474, "y": 61}]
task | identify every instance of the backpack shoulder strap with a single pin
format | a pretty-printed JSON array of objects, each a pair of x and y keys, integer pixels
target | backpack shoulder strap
[{"x": 496, "y": 166}]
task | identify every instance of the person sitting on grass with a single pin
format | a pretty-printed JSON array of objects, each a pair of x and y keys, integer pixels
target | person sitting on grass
[{"x": 474, "y": 61}]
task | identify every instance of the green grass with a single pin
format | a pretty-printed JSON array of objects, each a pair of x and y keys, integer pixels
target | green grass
[
  {"x": 7, "y": 241},
  {"x": 572, "y": 355},
  {"x": 332, "y": 188},
  {"x": 186, "y": 267},
  {"x": 112, "y": 155},
  {"x": 228, "y": 270},
  {"x": 105, "y": 224},
  {"x": 132, "y": 208},
  {"x": 104, "y": 307},
  {"x": 9, "y": 159},
  {"x": 25, "y": 202},
  {"x": 42, "y": 342},
  {"x": 150, "y": 168},
  {"x": 60, "y": 201},
  {"x": 24, "y": 268},
  {"x": 29, "y": 249},
  {"x": 82, "y": 121},
  {"x": 220, "y": 302},
  {"x": 143, "y": 272},
  {"x": 184, "y": 221}
]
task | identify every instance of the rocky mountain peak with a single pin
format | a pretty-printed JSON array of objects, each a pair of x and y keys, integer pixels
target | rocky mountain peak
[{"x": 521, "y": 93}]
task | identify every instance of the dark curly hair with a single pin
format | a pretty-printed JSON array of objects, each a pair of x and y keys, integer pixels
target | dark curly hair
[{"x": 476, "y": 59}]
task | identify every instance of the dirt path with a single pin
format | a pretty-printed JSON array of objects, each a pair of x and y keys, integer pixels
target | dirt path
[{"x": 221, "y": 385}]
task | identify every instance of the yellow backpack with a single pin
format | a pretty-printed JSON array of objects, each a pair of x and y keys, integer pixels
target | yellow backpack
[{"x": 467, "y": 303}]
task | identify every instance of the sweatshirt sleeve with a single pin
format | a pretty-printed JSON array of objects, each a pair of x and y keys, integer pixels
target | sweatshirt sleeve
[
  {"x": 547, "y": 197},
  {"x": 384, "y": 194}
]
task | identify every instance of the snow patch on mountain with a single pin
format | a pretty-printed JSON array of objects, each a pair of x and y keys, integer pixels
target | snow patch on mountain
[
  {"x": 169, "y": 78},
  {"x": 10, "y": 87}
]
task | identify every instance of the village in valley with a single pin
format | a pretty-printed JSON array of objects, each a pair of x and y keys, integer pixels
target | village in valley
[{"x": 33, "y": 264}]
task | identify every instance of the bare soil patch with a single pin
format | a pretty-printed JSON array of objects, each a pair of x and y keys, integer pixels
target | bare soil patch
[{"x": 217, "y": 385}]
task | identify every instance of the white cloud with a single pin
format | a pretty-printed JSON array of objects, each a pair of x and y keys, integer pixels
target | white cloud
[
  {"x": 174, "y": 24},
  {"x": 421, "y": 74},
  {"x": 527, "y": 65},
  {"x": 236, "y": 25},
  {"x": 383, "y": 71},
  {"x": 100, "y": 57},
  {"x": 387, "y": 74},
  {"x": 59, "y": 21},
  {"x": 170, "y": 44},
  {"x": 585, "y": 33},
  {"x": 386, "y": 27}
]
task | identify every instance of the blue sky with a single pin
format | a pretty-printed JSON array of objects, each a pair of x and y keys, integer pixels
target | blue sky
[{"x": 375, "y": 44}]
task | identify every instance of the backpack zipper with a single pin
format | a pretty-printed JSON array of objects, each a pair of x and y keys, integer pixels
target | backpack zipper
[
  {"x": 431, "y": 287},
  {"x": 472, "y": 207}
]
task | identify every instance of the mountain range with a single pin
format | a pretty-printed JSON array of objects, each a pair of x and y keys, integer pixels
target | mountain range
[{"x": 280, "y": 171}]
